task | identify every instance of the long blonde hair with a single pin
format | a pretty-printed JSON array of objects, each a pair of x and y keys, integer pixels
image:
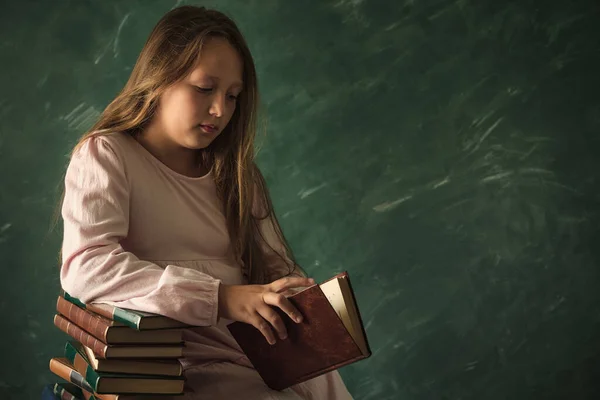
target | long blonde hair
[{"x": 170, "y": 53}]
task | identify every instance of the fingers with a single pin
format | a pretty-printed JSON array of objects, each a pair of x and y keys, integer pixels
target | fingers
[
  {"x": 265, "y": 318},
  {"x": 290, "y": 282},
  {"x": 271, "y": 316},
  {"x": 263, "y": 326},
  {"x": 279, "y": 300}
]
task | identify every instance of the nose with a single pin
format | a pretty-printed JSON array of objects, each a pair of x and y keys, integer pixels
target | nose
[{"x": 217, "y": 106}]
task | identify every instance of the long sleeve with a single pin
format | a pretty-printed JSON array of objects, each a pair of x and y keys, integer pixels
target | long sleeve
[{"x": 95, "y": 266}]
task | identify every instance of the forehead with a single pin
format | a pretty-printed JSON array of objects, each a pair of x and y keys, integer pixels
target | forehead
[{"x": 220, "y": 61}]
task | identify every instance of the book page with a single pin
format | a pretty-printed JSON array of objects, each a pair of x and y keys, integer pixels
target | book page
[{"x": 346, "y": 309}]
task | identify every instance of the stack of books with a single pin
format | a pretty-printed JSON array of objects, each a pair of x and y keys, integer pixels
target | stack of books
[
  {"x": 121, "y": 354},
  {"x": 116, "y": 354}
]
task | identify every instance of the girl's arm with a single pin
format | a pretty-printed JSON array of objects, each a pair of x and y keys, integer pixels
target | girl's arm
[{"x": 95, "y": 266}]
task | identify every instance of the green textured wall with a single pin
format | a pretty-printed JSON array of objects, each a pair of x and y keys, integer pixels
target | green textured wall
[{"x": 445, "y": 153}]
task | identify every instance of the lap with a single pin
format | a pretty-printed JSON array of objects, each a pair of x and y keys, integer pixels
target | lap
[{"x": 225, "y": 380}]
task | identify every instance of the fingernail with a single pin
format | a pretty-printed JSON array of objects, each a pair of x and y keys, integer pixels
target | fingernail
[
  {"x": 271, "y": 342},
  {"x": 298, "y": 319},
  {"x": 284, "y": 336}
]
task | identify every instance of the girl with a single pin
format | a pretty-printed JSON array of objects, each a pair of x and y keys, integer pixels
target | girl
[{"x": 165, "y": 210}]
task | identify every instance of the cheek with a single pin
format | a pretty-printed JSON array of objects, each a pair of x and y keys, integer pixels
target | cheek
[
  {"x": 182, "y": 101},
  {"x": 190, "y": 101},
  {"x": 185, "y": 108}
]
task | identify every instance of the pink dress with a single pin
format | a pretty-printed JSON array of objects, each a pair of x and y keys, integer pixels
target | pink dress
[{"x": 139, "y": 235}]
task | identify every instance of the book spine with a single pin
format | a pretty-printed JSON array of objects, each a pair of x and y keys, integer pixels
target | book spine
[
  {"x": 89, "y": 396},
  {"x": 81, "y": 365},
  {"x": 98, "y": 347},
  {"x": 128, "y": 318},
  {"x": 68, "y": 374},
  {"x": 93, "y": 324},
  {"x": 70, "y": 352},
  {"x": 125, "y": 317},
  {"x": 73, "y": 300},
  {"x": 62, "y": 393}
]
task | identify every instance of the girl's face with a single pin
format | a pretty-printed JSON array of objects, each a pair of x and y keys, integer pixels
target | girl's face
[{"x": 194, "y": 111}]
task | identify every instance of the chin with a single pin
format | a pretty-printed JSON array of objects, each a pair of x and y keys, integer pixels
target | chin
[
  {"x": 199, "y": 143},
  {"x": 198, "y": 146}
]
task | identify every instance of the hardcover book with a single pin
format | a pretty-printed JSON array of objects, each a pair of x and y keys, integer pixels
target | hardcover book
[
  {"x": 330, "y": 336},
  {"x": 104, "y": 351},
  {"x": 108, "y": 332},
  {"x": 134, "y": 319}
]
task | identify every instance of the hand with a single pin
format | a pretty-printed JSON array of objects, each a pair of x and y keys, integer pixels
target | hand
[{"x": 252, "y": 304}]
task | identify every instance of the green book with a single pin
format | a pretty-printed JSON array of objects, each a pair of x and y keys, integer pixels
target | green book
[
  {"x": 61, "y": 367},
  {"x": 161, "y": 367},
  {"x": 111, "y": 383},
  {"x": 134, "y": 319}
]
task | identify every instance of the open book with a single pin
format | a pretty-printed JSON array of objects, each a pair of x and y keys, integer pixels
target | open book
[{"x": 331, "y": 336}]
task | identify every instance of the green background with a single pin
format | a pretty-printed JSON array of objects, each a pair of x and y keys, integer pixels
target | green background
[{"x": 445, "y": 153}]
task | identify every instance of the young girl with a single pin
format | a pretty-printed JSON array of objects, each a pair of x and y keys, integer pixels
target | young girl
[{"x": 165, "y": 210}]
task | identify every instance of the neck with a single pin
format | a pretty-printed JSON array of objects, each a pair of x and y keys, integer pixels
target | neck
[{"x": 180, "y": 159}]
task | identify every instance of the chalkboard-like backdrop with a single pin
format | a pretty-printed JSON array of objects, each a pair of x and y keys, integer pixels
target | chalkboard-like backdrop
[{"x": 445, "y": 153}]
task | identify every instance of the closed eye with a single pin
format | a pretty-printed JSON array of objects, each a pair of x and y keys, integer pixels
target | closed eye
[
  {"x": 203, "y": 90},
  {"x": 208, "y": 90}
]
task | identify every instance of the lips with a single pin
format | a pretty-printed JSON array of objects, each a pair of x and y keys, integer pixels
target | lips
[{"x": 209, "y": 128}]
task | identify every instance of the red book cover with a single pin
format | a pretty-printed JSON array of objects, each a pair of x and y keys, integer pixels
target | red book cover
[
  {"x": 320, "y": 344},
  {"x": 113, "y": 332},
  {"x": 80, "y": 335},
  {"x": 104, "y": 351},
  {"x": 94, "y": 324}
]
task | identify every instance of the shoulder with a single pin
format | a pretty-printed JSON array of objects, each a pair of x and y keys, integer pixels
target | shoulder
[
  {"x": 103, "y": 152},
  {"x": 111, "y": 144},
  {"x": 96, "y": 170}
]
